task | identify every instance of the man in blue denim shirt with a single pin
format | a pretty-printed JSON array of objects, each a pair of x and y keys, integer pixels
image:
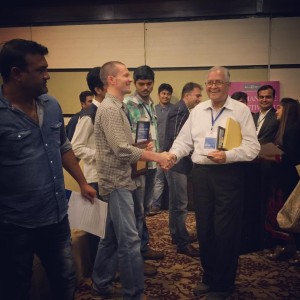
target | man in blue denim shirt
[{"x": 33, "y": 149}]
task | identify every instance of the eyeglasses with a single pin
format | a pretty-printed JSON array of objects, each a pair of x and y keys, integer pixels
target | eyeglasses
[{"x": 217, "y": 83}]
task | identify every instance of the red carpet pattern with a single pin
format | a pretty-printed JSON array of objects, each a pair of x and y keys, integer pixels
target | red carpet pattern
[{"x": 258, "y": 277}]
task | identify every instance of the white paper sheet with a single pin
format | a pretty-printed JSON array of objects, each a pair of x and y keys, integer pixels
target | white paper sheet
[{"x": 87, "y": 216}]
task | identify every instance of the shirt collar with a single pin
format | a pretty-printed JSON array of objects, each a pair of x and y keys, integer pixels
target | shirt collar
[
  {"x": 138, "y": 99},
  {"x": 228, "y": 104}
]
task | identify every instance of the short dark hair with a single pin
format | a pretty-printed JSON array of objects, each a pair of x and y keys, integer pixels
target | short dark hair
[
  {"x": 165, "y": 86},
  {"x": 188, "y": 87},
  {"x": 266, "y": 87},
  {"x": 240, "y": 95},
  {"x": 83, "y": 95},
  {"x": 143, "y": 73},
  {"x": 93, "y": 80},
  {"x": 13, "y": 54}
]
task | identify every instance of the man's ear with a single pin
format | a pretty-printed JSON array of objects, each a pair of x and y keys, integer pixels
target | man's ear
[
  {"x": 111, "y": 80},
  {"x": 15, "y": 73}
]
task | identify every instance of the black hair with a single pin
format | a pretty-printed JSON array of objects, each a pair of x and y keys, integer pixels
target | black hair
[
  {"x": 93, "y": 80},
  {"x": 143, "y": 73},
  {"x": 240, "y": 95},
  {"x": 84, "y": 94},
  {"x": 290, "y": 116},
  {"x": 13, "y": 54},
  {"x": 266, "y": 87},
  {"x": 188, "y": 87},
  {"x": 165, "y": 86}
]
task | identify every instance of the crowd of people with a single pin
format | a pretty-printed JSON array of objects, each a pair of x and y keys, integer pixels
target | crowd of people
[{"x": 181, "y": 141}]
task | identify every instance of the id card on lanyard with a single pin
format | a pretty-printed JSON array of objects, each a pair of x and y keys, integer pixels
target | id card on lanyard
[{"x": 210, "y": 140}]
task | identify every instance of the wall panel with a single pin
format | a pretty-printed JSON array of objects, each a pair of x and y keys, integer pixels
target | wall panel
[
  {"x": 285, "y": 42},
  {"x": 86, "y": 46},
  {"x": 289, "y": 81},
  {"x": 208, "y": 43},
  {"x": 7, "y": 34}
]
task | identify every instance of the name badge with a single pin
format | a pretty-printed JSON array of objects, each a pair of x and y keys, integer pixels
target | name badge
[{"x": 210, "y": 141}]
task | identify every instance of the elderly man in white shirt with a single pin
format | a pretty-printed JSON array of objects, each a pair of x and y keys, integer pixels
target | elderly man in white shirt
[{"x": 218, "y": 185}]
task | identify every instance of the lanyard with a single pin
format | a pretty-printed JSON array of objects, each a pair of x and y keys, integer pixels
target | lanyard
[
  {"x": 148, "y": 112},
  {"x": 260, "y": 120},
  {"x": 213, "y": 120}
]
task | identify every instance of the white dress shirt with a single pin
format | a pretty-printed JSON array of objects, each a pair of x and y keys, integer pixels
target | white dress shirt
[
  {"x": 83, "y": 145},
  {"x": 199, "y": 124}
]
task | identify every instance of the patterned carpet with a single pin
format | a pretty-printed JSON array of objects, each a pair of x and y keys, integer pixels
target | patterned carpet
[{"x": 258, "y": 277}]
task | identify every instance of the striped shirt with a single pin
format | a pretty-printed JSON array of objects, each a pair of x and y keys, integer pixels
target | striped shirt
[{"x": 114, "y": 150}]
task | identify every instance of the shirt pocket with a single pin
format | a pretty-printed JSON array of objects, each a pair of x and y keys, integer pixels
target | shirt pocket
[
  {"x": 16, "y": 145},
  {"x": 18, "y": 136}
]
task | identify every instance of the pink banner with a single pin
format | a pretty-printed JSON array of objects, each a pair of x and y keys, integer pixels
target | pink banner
[{"x": 250, "y": 88}]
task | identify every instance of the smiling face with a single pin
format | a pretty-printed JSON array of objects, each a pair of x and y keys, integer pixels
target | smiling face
[
  {"x": 164, "y": 97},
  {"x": 217, "y": 87},
  {"x": 122, "y": 80},
  {"x": 265, "y": 99}
]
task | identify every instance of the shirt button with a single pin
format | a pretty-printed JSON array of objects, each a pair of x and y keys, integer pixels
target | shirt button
[
  {"x": 51, "y": 161},
  {"x": 54, "y": 177},
  {"x": 46, "y": 145},
  {"x": 56, "y": 193}
]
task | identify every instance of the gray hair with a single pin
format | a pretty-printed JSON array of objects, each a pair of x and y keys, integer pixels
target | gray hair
[{"x": 224, "y": 70}]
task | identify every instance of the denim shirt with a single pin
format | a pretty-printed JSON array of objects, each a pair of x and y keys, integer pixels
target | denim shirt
[{"x": 32, "y": 192}]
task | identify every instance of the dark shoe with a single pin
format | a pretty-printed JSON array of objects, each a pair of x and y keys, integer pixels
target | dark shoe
[
  {"x": 154, "y": 211},
  {"x": 109, "y": 292},
  {"x": 295, "y": 260},
  {"x": 149, "y": 270},
  {"x": 153, "y": 255},
  {"x": 201, "y": 289},
  {"x": 217, "y": 296},
  {"x": 192, "y": 239},
  {"x": 282, "y": 253},
  {"x": 189, "y": 250}
]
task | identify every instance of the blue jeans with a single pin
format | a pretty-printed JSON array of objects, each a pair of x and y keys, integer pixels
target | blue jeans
[
  {"x": 178, "y": 201},
  {"x": 122, "y": 246},
  {"x": 142, "y": 204},
  {"x": 159, "y": 185},
  {"x": 52, "y": 244}
]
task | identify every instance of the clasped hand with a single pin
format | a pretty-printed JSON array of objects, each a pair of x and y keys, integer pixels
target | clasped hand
[{"x": 167, "y": 160}]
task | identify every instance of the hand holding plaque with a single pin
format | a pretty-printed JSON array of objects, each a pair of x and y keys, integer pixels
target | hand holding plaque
[{"x": 141, "y": 141}]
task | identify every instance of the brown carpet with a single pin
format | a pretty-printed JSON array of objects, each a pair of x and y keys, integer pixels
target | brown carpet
[{"x": 258, "y": 277}]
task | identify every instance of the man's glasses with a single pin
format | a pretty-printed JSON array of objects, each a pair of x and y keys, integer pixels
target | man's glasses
[{"x": 217, "y": 83}]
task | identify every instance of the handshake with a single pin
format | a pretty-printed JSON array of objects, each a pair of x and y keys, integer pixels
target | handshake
[{"x": 166, "y": 160}]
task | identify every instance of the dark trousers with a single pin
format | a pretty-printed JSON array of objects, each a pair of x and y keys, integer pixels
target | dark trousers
[
  {"x": 53, "y": 246},
  {"x": 218, "y": 200}
]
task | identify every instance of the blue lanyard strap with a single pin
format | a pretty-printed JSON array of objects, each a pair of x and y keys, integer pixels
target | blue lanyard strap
[
  {"x": 148, "y": 112},
  {"x": 213, "y": 121}
]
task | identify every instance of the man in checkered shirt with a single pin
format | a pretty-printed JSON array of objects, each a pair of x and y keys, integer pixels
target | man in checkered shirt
[{"x": 120, "y": 249}]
